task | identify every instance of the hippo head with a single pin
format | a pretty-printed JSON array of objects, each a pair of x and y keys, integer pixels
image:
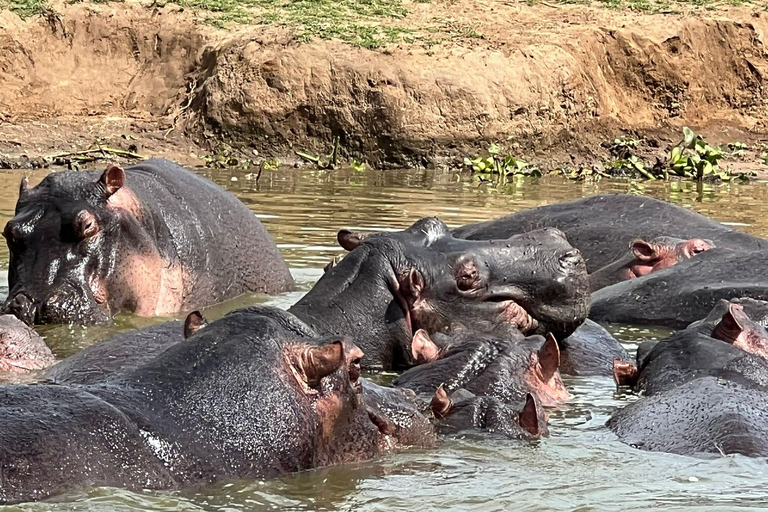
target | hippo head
[
  {"x": 536, "y": 282},
  {"x": 62, "y": 246},
  {"x": 21, "y": 348},
  {"x": 737, "y": 328},
  {"x": 461, "y": 411},
  {"x": 663, "y": 252},
  {"x": 487, "y": 365}
]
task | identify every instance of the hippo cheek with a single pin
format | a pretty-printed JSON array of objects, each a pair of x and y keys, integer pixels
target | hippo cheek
[{"x": 69, "y": 305}]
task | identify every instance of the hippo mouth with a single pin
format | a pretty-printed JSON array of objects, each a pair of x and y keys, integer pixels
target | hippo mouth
[{"x": 509, "y": 311}]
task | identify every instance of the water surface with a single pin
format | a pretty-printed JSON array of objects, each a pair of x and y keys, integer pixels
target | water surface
[{"x": 579, "y": 467}]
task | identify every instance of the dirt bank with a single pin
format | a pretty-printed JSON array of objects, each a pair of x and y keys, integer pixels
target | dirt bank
[{"x": 552, "y": 83}]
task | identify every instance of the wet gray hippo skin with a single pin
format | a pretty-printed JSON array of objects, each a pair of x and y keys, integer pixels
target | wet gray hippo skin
[
  {"x": 398, "y": 413},
  {"x": 487, "y": 365},
  {"x": 154, "y": 239},
  {"x": 21, "y": 348},
  {"x": 704, "y": 416},
  {"x": 462, "y": 412},
  {"x": 392, "y": 284},
  {"x": 245, "y": 397},
  {"x": 603, "y": 227},
  {"x": 685, "y": 293},
  {"x": 590, "y": 350},
  {"x": 715, "y": 346}
]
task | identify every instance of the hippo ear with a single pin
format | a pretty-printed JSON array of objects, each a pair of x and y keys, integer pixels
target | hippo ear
[
  {"x": 549, "y": 357},
  {"x": 624, "y": 373},
  {"x": 414, "y": 285},
  {"x": 350, "y": 240},
  {"x": 644, "y": 251},
  {"x": 315, "y": 363},
  {"x": 529, "y": 416},
  {"x": 23, "y": 186},
  {"x": 695, "y": 246},
  {"x": 382, "y": 422},
  {"x": 423, "y": 349},
  {"x": 193, "y": 323},
  {"x": 334, "y": 261},
  {"x": 441, "y": 403},
  {"x": 731, "y": 326},
  {"x": 113, "y": 179}
]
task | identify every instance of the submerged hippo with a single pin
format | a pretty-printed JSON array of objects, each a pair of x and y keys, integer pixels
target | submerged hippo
[
  {"x": 603, "y": 226},
  {"x": 645, "y": 257},
  {"x": 727, "y": 345},
  {"x": 392, "y": 284},
  {"x": 686, "y": 292},
  {"x": 21, "y": 348},
  {"x": 154, "y": 239},
  {"x": 461, "y": 411},
  {"x": 488, "y": 365},
  {"x": 246, "y": 397},
  {"x": 703, "y": 416}
]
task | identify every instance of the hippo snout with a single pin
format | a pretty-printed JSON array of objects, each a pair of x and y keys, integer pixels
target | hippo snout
[{"x": 22, "y": 307}]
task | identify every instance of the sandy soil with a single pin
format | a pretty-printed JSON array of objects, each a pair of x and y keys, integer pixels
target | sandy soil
[{"x": 553, "y": 84}]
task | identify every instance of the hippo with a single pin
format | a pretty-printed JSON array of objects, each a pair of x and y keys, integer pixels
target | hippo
[
  {"x": 706, "y": 415},
  {"x": 125, "y": 352},
  {"x": 488, "y": 365},
  {"x": 154, "y": 239},
  {"x": 244, "y": 397},
  {"x": 21, "y": 348},
  {"x": 645, "y": 257},
  {"x": 603, "y": 226},
  {"x": 392, "y": 284},
  {"x": 677, "y": 296},
  {"x": 590, "y": 351},
  {"x": 461, "y": 411},
  {"x": 398, "y": 413},
  {"x": 727, "y": 344}
]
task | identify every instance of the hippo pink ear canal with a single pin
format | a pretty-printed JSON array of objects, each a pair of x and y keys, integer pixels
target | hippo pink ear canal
[
  {"x": 624, "y": 373},
  {"x": 549, "y": 357},
  {"x": 414, "y": 284},
  {"x": 350, "y": 240},
  {"x": 423, "y": 349},
  {"x": 529, "y": 417},
  {"x": 113, "y": 179},
  {"x": 441, "y": 403},
  {"x": 315, "y": 363},
  {"x": 193, "y": 323},
  {"x": 644, "y": 251},
  {"x": 731, "y": 326}
]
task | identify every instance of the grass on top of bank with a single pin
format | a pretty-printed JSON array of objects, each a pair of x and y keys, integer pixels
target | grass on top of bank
[{"x": 365, "y": 23}]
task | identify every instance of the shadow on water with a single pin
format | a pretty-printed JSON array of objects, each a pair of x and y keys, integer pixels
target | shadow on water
[{"x": 581, "y": 467}]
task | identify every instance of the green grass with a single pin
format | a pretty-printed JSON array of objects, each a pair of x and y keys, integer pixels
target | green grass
[{"x": 25, "y": 8}]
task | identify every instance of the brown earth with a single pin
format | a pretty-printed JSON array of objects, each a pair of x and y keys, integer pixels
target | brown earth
[{"x": 550, "y": 83}]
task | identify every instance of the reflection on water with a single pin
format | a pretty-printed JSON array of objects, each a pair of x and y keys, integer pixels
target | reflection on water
[{"x": 580, "y": 467}]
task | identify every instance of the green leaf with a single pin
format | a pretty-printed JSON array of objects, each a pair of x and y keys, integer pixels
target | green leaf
[
  {"x": 689, "y": 137},
  {"x": 494, "y": 149},
  {"x": 677, "y": 153}
]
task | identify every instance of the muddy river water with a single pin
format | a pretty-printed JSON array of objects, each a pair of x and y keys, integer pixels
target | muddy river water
[{"x": 580, "y": 467}]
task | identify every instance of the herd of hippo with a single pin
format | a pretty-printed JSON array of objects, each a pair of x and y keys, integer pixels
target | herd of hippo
[{"x": 480, "y": 322}]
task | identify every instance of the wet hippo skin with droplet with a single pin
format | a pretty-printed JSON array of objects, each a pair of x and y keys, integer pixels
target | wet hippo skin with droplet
[
  {"x": 154, "y": 239},
  {"x": 244, "y": 397}
]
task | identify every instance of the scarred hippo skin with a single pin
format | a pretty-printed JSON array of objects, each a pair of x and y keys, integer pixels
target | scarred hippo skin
[
  {"x": 462, "y": 412},
  {"x": 680, "y": 295},
  {"x": 154, "y": 239},
  {"x": 487, "y": 365},
  {"x": 21, "y": 348},
  {"x": 590, "y": 351},
  {"x": 647, "y": 256},
  {"x": 603, "y": 226},
  {"x": 703, "y": 416},
  {"x": 245, "y": 397},
  {"x": 392, "y": 284}
]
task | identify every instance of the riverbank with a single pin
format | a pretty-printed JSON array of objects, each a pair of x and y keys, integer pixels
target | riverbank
[{"x": 400, "y": 84}]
